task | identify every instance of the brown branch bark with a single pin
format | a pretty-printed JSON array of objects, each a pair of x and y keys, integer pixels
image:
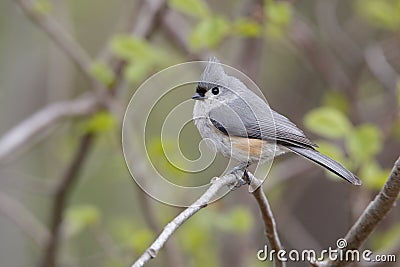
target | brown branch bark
[
  {"x": 178, "y": 35},
  {"x": 24, "y": 219},
  {"x": 57, "y": 33},
  {"x": 62, "y": 192},
  {"x": 70, "y": 177},
  {"x": 172, "y": 256},
  {"x": 303, "y": 37},
  {"x": 372, "y": 215},
  {"x": 42, "y": 120},
  {"x": 271, "y": 232}
]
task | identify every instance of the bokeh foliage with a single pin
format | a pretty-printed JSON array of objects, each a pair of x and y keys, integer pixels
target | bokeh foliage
[{"x": 106, "y": 223}]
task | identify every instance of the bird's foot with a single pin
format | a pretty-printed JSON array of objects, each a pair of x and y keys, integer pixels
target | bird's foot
[
  {"x": 241, "y": 167},
  {"x": 245, "y": 179}
]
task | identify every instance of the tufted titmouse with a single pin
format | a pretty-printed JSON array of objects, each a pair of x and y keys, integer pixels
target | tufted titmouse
[{"x": 239, "y": 124}]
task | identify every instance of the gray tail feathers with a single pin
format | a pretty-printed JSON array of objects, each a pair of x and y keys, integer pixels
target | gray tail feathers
[{"x": 326, "y": 162}]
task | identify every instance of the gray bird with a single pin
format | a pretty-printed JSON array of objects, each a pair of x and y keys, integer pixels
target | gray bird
[{"x": 239, "y": 124}]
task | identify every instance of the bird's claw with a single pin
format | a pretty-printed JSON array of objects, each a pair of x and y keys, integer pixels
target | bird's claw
[{"x": 245, "y": 179}]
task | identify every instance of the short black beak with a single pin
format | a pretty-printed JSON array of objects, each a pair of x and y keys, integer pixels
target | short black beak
[{"x": 197, "y": 96}]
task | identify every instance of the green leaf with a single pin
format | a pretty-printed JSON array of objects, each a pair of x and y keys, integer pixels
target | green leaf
[
  {"x": 387, "y": 240},
  {"x": 209, "y": 32},
  {"x": 196, "y": 234},
  {"x": 279, "y": 15},
  {"x": 383, "y": 13},
  {"x": 237, "y": 220},
  {"x": 198, "y": 237},
  {"x": 100, "y": 122},
  {"x": 274, "y": 31},
  {"x": 247, "y": 28},
  {"x": 140, "y": 55},
  {"x": 157, "y": 151},
  {"x": 135, "y": 72},
  {"x": 102, "y": 73},
  {"x": 364, "y": 142},
  {"x": 129, "y": 47},
  {"x": 127, "y": 233},
  {"x": 123, "y": 229},
  {"x": 337, "y": 100},
  {"x": 114, "y": 263},
  {"x": 195, "y": 8},
  {"x": 372, "y": 175},
  {"x": 141, "y": 239},
  {"x": 42, "y": 7},
  {"x": 80, "y": 217},
  {"x": 328, "y": 122}
]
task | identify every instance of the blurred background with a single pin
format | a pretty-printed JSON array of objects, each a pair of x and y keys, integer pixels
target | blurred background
[{"x": 69, "y": 68}]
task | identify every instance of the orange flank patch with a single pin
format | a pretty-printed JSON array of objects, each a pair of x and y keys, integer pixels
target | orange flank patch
[{"x": 252, "y": 147}]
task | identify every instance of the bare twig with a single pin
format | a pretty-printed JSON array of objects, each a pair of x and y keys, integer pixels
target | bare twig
[
  {"x": 150, "y": 9},
  {"x": 171, "y": 227},
  {"x": 57, "y": 33},
  {"x": 67, "y": 181},
  {"x": 22, "y": 217},
  {"x": 372, "y": 215},
  {"x": 172, "y": 257},
  {"x": 105, "y": 241},
  {"x": 48, "y": 116},
  {"x": 63, "y": 189},
  {"x": 334, "y": 34},
  {"x": 271, "y": 233},
  {"x": 42, "y": 120},
  {"x": 140, "y": 24},
  {"x": 53, "y": 113},
  {"x": 144, "y": 26},
  {"x": 380, "y": 67},
  {"x": 250, "y": 57},
  {"x": 178, "y": 35},
  {"x": 302, "y": 35}
]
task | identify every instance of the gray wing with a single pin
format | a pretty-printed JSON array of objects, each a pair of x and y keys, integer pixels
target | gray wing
[
  {"x": 254, "y": 119},
  {"x": 238, "y": 119}
]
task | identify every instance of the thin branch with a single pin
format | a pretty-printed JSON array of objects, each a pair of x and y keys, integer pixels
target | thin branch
[
  {"x": 50, "y": 115},
  {"x": 43, "y": 120},
  {"x": 148, "y": 17},
  {"x": 70, "y": 177},
  {"x": 63, "y": 190},
  {"x": 178, "y": 35},
  {"x": 24, "y": 219},
  {"x": 372, "y": 215},
  {"x": 144, "y": 26},
  {"x": 57, "y": 33},
  {"x": 303, "y": 36},
  {"x": 140, "y": 24},
  {"x": 380, "y": 67},
  {"x": 172, "y": 257},
  {"x": 171, "y": 227},
  {"x": 334, "y": 35},
  {"x": 105, "y": 241},
  {"x": 271, "y": 232}
]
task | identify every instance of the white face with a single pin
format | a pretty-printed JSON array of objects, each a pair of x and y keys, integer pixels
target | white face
[
  {"x": 213, "y": 95},
  {"x": 217, "y": 88}
]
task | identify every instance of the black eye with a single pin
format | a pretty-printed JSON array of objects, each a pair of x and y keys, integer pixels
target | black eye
[{"x": 215, "y": 90}]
